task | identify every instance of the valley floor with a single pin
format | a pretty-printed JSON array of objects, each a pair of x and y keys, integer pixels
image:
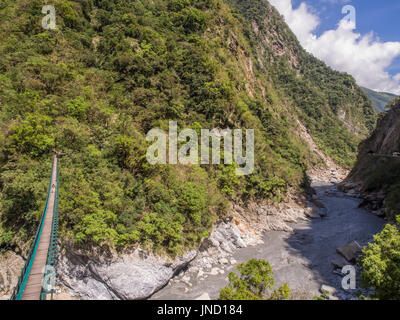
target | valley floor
[{"x": 302, "y": 258}]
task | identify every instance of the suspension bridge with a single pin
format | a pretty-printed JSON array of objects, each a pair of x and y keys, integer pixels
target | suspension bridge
[
  {"x": 393, "y": 155},
  {"x": 37, "y": 280}
]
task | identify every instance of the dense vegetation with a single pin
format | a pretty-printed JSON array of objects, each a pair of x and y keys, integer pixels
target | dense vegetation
[
  {"x": 380, "y": 99},
  {"x": 385, "y": 176},
  {"x": 381, "y": 174},
  {"x": 113, "y": 70},
  {"x": 254, "y": 282},
  {"x": 321, "y": 95},
  {"x": 381, "y": 263}
]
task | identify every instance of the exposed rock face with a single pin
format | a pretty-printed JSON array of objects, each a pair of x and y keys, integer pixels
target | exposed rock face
[
  {"x": 277, "y": 217},
  {"x": 128, "y": 277},
  {"x": 328, "y": 170},
  {"x": 139, "y": 275},
  {"x": 386, "y": 137},
  {"x": 10, "y": 267},
  {"x": 228, "y": 236},
  {"x": 217, "y": 250},
  {"x": 376, "y": 175}
]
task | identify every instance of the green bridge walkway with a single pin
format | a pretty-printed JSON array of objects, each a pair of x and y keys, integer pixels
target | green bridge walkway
[{"x": 37, "y": 278}]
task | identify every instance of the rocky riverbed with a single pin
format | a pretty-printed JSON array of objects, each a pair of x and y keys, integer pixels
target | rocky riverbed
[
  {"x": 298, "y": 238},
  {"x": 140, "y": 274},
  {"x": 302, "y": 258}
]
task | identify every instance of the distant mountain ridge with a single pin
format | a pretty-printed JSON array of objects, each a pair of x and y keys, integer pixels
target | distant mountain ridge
[{"x": 379, "y": 99}]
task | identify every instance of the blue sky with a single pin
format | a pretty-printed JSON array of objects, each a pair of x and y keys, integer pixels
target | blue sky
[
  {"x": 374, "y": 43},
  {"x": 381, "y": 17}
]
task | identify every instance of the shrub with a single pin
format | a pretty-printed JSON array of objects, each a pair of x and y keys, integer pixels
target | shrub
[
  {"x": 193, "y": 201},
  {"x": 381, "y": 263},
  {"x": 255, "y": 282},
  {"x": 33, "y": 135},
  {"x": 194, "y": 21},
  {"x": 78, "y": 108},
  {"x": 160, "y": 233},
  {"x": 97, "y": 228},
  {"x": 6, "y": 238}
]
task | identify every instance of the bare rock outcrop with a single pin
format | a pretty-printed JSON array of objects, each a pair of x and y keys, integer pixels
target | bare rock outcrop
[
  {"x": 10, "y": 267},
  {"x": 140, "y": 274},
  {"x": 350, "y": 251},
  {"x": 132, "y": 276}
]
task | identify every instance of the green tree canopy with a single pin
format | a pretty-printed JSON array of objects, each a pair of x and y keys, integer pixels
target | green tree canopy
[{"x": 254, "y": 282}]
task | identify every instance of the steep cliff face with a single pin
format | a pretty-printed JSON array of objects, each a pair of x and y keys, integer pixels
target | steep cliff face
[{"x": 376, "y": 174}]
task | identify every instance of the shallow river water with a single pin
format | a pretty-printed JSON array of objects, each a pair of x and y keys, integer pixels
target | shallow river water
[{"x": 302, "y": 258}]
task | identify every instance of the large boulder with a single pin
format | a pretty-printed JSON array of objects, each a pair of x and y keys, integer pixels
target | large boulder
[
  {"x": 350, "y": 251},
  {"x": 328, "y": 289},
  {"x": 339, "y": 262}
]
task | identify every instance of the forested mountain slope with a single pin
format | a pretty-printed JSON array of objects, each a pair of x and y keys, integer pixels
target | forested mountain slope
[
  {"x": 380, "y": 99},
  {"x": 376, "y": 174},
  {"x": 113, "y": 70}
]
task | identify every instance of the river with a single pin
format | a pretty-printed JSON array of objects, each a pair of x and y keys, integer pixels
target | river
[{"x": 302, "y": 258}]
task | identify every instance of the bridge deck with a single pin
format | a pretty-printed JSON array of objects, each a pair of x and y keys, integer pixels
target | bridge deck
[
  {"x": 33, "y": 286},
  {"x": 385, "y": 155}
]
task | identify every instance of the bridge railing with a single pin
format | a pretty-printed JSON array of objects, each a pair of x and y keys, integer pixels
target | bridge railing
[
  {"x": 52, "y": 255},
  {"x": 23, "y": 278}
]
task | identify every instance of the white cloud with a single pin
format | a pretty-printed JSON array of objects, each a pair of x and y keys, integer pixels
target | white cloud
[{"x": 363, "y": 56}]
